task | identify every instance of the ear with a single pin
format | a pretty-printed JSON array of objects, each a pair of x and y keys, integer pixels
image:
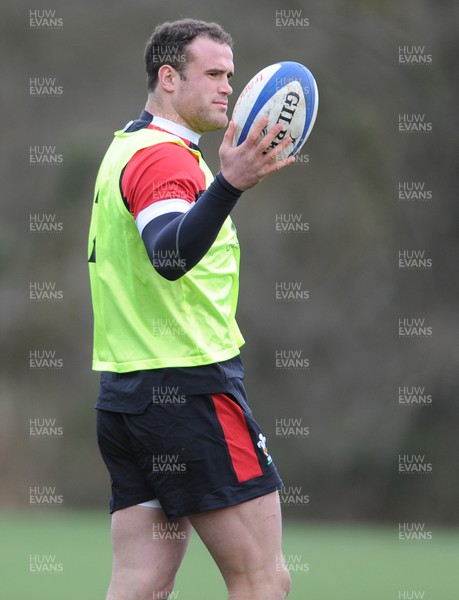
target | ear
[{"x": 166, "y": 77}]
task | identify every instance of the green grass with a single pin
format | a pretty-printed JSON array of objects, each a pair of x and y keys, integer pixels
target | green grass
[{"x": 327, "y": 562}]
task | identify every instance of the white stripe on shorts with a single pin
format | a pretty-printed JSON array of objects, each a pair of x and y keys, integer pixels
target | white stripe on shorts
[{"x": 151, "y": 504}]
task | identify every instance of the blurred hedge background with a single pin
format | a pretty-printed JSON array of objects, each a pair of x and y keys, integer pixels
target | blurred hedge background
[{"x": 346, "y": 187}]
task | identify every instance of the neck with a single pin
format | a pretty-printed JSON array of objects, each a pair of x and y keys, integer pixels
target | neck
[
  {"x": 176, "y": 129},
  {"x": 160, "y": 109},
  {"x": 170, "y": 121}
]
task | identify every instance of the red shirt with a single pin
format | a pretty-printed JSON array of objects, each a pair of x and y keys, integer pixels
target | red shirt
[{"x": 161, "y": 172}]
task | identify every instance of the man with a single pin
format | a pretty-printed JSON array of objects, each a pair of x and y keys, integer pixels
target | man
[{"x": 174, "y": 427}]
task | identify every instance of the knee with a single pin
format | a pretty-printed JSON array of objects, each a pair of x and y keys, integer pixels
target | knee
[
  {"x": 278, "y": 585},
  {"x": 273, "y": 584},
  {"x": 284, "y": 584},
  {"x": 140, "y": 585},
  {"x": 162, "y": 594},
  {"x": 153, "y": 588}
]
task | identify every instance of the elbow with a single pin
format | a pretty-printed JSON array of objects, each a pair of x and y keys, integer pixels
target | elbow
[
  {"x": 166, "y": 262},
  {"x": 168, "y": 273}
]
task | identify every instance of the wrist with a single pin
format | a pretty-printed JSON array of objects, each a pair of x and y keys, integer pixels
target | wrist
[{"x": 234, "y": 191}]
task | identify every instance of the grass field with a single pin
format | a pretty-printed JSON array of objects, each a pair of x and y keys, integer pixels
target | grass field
[{"x": 327, "y": 562}]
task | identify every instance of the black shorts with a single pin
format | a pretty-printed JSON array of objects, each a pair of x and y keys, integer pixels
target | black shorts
[{"x": 193, "y": 453}]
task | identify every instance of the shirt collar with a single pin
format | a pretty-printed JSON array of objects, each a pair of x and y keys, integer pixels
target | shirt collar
[{"x": 172, "y": 127}]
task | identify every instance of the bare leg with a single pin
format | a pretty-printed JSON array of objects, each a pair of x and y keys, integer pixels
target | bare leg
[
  {"x": 147, "y": 552},
  {"x": 245, "y": 542}
]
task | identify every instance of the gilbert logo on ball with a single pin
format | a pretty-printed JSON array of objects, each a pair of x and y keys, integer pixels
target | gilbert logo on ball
[{"x": 286, "y": 93}]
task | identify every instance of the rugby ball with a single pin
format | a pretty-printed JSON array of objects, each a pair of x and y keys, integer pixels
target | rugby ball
[{"x": 286, "y": 93}]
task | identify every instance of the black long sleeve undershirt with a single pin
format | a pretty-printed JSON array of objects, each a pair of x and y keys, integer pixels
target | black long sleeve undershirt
[{"x": 176, "y": 242}]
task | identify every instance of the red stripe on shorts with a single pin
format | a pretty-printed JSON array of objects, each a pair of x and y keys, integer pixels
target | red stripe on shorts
[{"x": 237, "y": 436}]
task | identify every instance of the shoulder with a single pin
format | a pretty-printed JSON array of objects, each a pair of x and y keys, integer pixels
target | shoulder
[
  {"x": 159, "y": 172},
  {"x": 164, "y": 157}
]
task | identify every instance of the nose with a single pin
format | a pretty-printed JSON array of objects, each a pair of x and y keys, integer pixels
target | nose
[{"x": 226, "y": 88}]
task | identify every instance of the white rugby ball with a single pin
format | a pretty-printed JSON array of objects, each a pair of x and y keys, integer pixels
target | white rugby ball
[{"x": 286, "y": 93}]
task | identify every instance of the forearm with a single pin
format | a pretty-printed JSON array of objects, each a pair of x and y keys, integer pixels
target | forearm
[{"x": 175, "y": 243}]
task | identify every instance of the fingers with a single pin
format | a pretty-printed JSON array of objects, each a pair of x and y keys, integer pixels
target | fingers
[
  {"x": 259, "y": 155},
  {"x": 277, "y": 152},
  {"x": 276, "y": 163},
  {"x": 256, "y": 138},
  {"x": 280, "y": 164},
  {"x": 254, "y": 135},
  {"x": 229, "y": 134},
  {"x": 273, "y": 153},
  {"x": 270, "y": 147}
]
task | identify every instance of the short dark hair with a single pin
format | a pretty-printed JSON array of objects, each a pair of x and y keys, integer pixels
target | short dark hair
[{"x": 169, "y": 41}]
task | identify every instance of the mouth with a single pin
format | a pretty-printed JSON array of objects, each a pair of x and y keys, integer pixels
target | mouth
[{"x": 221, "y": 103}]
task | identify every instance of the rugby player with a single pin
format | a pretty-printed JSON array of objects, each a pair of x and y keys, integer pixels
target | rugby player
[{"x": 174, "y": 427}]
